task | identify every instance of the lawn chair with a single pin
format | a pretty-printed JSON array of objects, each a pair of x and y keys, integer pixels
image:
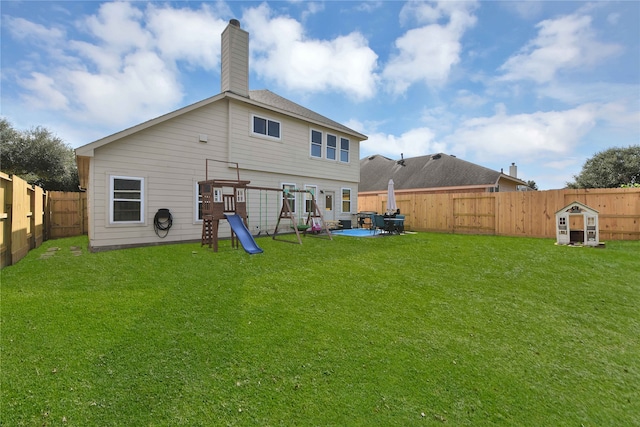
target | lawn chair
[
  {"x": 400, "y": 224},
  {"x": 378, "y": 223}
]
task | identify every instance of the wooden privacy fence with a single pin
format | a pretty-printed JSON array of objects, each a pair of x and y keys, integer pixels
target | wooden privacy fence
[
  {"x": 518, "y": 213},
  {"x": 30, "y": 215}
]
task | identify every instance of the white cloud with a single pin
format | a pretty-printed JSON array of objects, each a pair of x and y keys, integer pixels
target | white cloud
[
  {"x": 415, "y": 142},
  {"x": 144, "y": 88},
  {"x": 539, "y": 134},
  {"x": 567, "y": 42},
  {"x": 283, "y": 53},
  {"x": 124, "y": 69},
  {"x": 48, "y": 95},
  {"x": 21, "y": 29},
  {"x": 429, "y": 53},
  {"x": 467, "y": 99},
  {"x": 118, "y": 26},
  {"x": 187, "y": 35}
]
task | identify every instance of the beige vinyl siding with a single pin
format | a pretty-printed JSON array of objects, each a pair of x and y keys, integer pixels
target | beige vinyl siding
[
  {"x": 290, "y": 154},
  {"x": 507, "y": 185},
  {"x": 170, "y": 158}
]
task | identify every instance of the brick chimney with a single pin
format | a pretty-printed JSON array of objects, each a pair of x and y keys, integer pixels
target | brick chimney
[{"x": 235, "y": 59}]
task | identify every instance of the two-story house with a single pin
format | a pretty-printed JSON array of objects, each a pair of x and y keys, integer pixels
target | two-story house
[{"x": 157, "y": 164}]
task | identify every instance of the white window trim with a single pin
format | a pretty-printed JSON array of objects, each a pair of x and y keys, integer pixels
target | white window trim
[
  {"x": 295, "y": 196},
  {"x": 340, "y": 150},
  {"x": 314, "y": 190},
  {"x": 197, "y": 204},
  {"x": 350, "y": 200},
  {"x": 112, "y": 199},
  {"x": 261, "y": 135},
  {"x": 336, "y": 147},
  {"x": 312, "y": 144}
]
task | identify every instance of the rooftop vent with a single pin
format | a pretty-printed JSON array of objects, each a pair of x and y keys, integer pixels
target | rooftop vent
[
  {"x": 435, "y": 157},
  {"x": 235, "y": 23},
  {"x": 401, "y": 161}
]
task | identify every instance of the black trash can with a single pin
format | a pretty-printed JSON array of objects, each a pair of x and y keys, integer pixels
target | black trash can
[{"x": 346, "y": 224}]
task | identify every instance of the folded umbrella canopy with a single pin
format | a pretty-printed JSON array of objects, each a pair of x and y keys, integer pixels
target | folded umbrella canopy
[{"x": 391, "y": 198}]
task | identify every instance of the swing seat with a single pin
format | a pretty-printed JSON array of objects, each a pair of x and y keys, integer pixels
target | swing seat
[{"x": 302, "y": 227}]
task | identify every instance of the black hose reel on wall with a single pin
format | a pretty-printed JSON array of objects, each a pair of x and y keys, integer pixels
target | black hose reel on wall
[{"x": 162, "y": 222}]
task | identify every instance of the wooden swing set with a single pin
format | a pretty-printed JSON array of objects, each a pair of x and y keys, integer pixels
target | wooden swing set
[{"x": 216, "y": 204}]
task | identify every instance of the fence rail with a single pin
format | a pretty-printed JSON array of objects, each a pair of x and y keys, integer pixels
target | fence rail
[
  {"x": 518, "y": 213},
  {"x": 30, "y": 215}
]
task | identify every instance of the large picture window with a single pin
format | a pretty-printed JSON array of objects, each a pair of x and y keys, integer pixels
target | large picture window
[
  {"x": 127, "y": 200},
  {"x": 346, "y": 200},
  {"x": 266, "y": 127},
  {"x": 332, "y": 145},
  {"x": 316, "y": 143},
  {"x": 344, "y": 150}
]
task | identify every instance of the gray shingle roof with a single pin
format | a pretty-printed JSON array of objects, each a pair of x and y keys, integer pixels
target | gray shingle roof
[
  {"x": 270, "y": 99},
  {"x": 436, "y": 170}
]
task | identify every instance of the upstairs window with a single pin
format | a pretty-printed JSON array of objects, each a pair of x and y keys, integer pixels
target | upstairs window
[
  {"x": 266, "y": 127},
  {"x": 344, "y": 150},
  {"x": 127, "y": 200},
  {"x": 316, "y": 143},
  {"x": 332, "y": 145}
]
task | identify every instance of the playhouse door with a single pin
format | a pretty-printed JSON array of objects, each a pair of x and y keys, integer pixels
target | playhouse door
[{"x": 328, "y": 206}]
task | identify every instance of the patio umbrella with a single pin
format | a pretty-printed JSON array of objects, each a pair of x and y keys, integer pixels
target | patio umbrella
[{"x": 391, "y": 198}]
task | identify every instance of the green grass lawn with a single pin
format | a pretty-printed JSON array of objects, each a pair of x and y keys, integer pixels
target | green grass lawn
[{"x": 423, "y": 329}]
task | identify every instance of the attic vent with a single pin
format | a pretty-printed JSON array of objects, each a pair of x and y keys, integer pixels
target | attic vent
[
  {"x": 372, "y": 157},
  {"x": 401, "y": 161},
  {"x": 436, "y": 157}
]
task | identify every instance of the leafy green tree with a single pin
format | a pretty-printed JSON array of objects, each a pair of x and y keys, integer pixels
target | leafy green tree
[
  {"x": 610, "y": 168},
  {"x": 39, "y": 157}
]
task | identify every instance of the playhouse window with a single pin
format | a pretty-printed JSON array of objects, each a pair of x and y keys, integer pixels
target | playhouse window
[
  {"x": 239, "y": 195},
  {"x": 344, "y": 150},
  {"x": 266, "y": 127},
  {"x": 217, "y": 195},
  {"x": 127, "y": 200}
]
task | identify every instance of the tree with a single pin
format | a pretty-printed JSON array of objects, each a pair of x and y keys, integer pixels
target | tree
[
  {"x": 39, "y": 157},
  {"x": 610, "y": 168},
  {"x": 532, "y": 185}
]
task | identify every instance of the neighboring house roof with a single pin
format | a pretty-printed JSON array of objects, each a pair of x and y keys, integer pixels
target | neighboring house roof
[
  {"x": 432, "y": 171},
  {"x": 260, "y": 98}
]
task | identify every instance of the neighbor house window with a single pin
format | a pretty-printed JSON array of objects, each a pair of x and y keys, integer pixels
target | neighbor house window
[
  {"x": 127, "y": 200},
  {"x": 346, "y": 200},
  {"x": 266, "y": 127},
  {"x": 316, "y": 143},
  {"x": 344, "y": 150},
  {"x": 308, "y": 205},
  {"x": 332, "y": 145},
  {"x": 289, "y": 196}
]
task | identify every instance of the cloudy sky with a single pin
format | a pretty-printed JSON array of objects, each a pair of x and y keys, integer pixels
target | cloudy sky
[{"x": 543, "y": 84}]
